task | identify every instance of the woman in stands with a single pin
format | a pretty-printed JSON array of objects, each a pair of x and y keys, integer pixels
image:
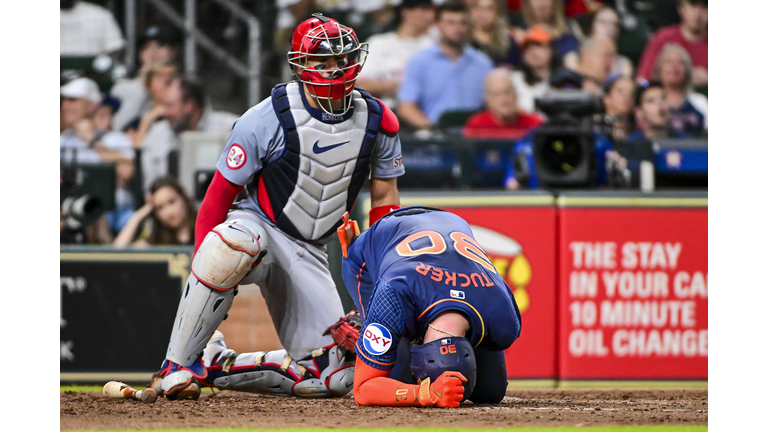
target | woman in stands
[
  {"x": 550, "y": 15},
  {"x": 156, "y": 81},
  {"x": 687, "y": 108},
  {"x": 489, "y": 33},
  {"x": 539, "y": 60},
  {"x": 167, "y": 218},
  {"x": 605, "y": 23}
]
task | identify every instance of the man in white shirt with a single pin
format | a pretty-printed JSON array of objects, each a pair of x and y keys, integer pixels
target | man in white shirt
[
  {"x": 389, "y": 53},
  {"x": 184, "y": 109},
  {"x": 81, "y": 140},
  {"x": 87, "y": 30}
]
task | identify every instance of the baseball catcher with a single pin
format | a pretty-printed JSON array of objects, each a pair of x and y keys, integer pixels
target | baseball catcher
[
  {"x": 436, "y": 314},
  {"x": 297, "y": 161}
]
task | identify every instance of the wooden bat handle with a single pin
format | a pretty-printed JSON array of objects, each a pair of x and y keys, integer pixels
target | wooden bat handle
[{"x": 116, "y": 389}]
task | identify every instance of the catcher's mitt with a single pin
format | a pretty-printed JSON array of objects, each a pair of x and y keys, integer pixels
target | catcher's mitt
[{"x": 346, "y": 330}]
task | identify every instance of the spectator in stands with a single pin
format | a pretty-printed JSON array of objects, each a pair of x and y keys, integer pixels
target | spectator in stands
[
  {"x": 446, "y": 76},
  {"x": 549, "y": 15},
  {"x": 389, "y": 53},
  {"x": 104, "y": 115},
  {"x": 184, "y": 108},
  {"x": 82, "y": 140},
  {"x": 167, "y": 217},
  {"x": 157, "y": 80},
  {"x": 124, "y": 170},
  {"x": 539, "y": 60},
  {"x": 88, "y": 138},
  {"x": 87, "y": 30},
  {"x": 503, "y": 118},
  {"x": 691, "y": 34},
  {"x": 489, "y": 33},
  {"x": 652, "y": 113},
  {"x": 156, "y": 47},
  {"x": 618, "y": 94},
  {"x": 688, "y": 109},
  {"x": 604, "y": 24},
  {"x": 596, "y": 57}
]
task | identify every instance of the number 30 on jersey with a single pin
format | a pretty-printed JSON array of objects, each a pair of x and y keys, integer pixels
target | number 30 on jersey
[{"x": 432, "y": 243}]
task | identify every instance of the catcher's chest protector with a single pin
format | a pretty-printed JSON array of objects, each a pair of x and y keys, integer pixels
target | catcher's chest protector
[{"x": 323, "y": 167}]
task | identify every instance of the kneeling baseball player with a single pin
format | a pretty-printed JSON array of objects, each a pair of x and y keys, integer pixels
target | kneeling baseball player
[
  {"x": 436, "y": 313},
  {"x": 293, "y": 166}
]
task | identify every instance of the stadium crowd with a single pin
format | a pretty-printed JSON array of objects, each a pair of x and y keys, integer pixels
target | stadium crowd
[{"x": 471, "y": 68}]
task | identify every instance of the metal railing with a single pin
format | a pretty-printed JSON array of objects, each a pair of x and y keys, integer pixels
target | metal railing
[{"x": 193, "y": 38}]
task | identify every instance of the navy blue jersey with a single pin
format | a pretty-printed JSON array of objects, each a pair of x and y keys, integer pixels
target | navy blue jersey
[{"x": 415, "y": 264}]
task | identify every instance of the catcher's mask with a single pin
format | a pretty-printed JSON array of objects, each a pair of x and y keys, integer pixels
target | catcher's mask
[
  {"x": 325, "y": 40},
  {"x": 431, "y": 359}
]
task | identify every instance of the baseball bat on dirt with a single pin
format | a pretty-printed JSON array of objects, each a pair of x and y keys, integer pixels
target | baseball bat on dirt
[{"x": 116, "y": 389}]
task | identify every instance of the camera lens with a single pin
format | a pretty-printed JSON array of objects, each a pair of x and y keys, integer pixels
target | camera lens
[
  {"x": 79, "y": 211},
  {"x": 561, "y": 154}
]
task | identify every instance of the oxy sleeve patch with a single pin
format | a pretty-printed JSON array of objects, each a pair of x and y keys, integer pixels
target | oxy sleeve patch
[
  {"x": 377, "y": 339},
  {"x": 236, "y": 157}
]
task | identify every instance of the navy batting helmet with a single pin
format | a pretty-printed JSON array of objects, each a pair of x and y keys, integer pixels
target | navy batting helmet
[{"x": 431, "y": 359}]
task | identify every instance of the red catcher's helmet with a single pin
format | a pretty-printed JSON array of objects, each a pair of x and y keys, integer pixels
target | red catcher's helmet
[{"x": 320, "y": 36}]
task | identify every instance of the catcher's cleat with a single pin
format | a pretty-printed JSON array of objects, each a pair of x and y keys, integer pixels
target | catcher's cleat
[{"x": 179, "y": 382}]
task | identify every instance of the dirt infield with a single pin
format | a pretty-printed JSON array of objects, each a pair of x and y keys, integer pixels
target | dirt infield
[{"x": 91, "y": 410}]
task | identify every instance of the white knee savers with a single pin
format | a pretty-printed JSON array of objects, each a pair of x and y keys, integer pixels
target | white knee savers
[{"x": 229, "y": 252}]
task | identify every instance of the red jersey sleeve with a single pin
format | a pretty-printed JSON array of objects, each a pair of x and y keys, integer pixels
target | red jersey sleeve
[{"x": 215, "y": 206}]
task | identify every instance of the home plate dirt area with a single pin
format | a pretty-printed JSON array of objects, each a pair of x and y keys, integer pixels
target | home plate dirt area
[{"x": 549, "y": 407}]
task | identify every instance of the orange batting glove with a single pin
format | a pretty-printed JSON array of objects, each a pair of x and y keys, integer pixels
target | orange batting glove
[
  {"x": 348, "y": 232},
  {"x": 447, "y": 391}
]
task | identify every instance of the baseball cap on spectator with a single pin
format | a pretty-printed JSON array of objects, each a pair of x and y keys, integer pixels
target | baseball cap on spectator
[
  {"x": 162, "y": 35},
  {"x": 81, "y": 88},
  {"x": 112, "y": 102},
  {"x": 535, "y": 34}
]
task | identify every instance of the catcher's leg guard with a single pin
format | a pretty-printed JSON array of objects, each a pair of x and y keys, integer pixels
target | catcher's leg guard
[
  {"x": 328, "y": 372},
  {"x": 336, "y": 377},
  {"x": 225, "y": 257}
]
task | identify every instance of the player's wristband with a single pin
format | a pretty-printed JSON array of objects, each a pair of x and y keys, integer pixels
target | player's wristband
[
  {"x": 377, "y": 213},
  {"x": 424, "y": 398}
]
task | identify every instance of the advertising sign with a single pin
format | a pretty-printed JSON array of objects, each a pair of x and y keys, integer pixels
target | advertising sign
[
  {"x": 633, "y": 292},
  {"x": 117, "y": 309}
]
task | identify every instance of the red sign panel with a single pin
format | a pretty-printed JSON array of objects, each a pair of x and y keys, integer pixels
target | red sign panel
[
  {"x": 633, "y": 293},
  {"x": 520, "y": 242}
]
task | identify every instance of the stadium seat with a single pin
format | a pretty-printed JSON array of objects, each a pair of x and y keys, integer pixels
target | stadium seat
[{"x": 454, "y": 118}]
